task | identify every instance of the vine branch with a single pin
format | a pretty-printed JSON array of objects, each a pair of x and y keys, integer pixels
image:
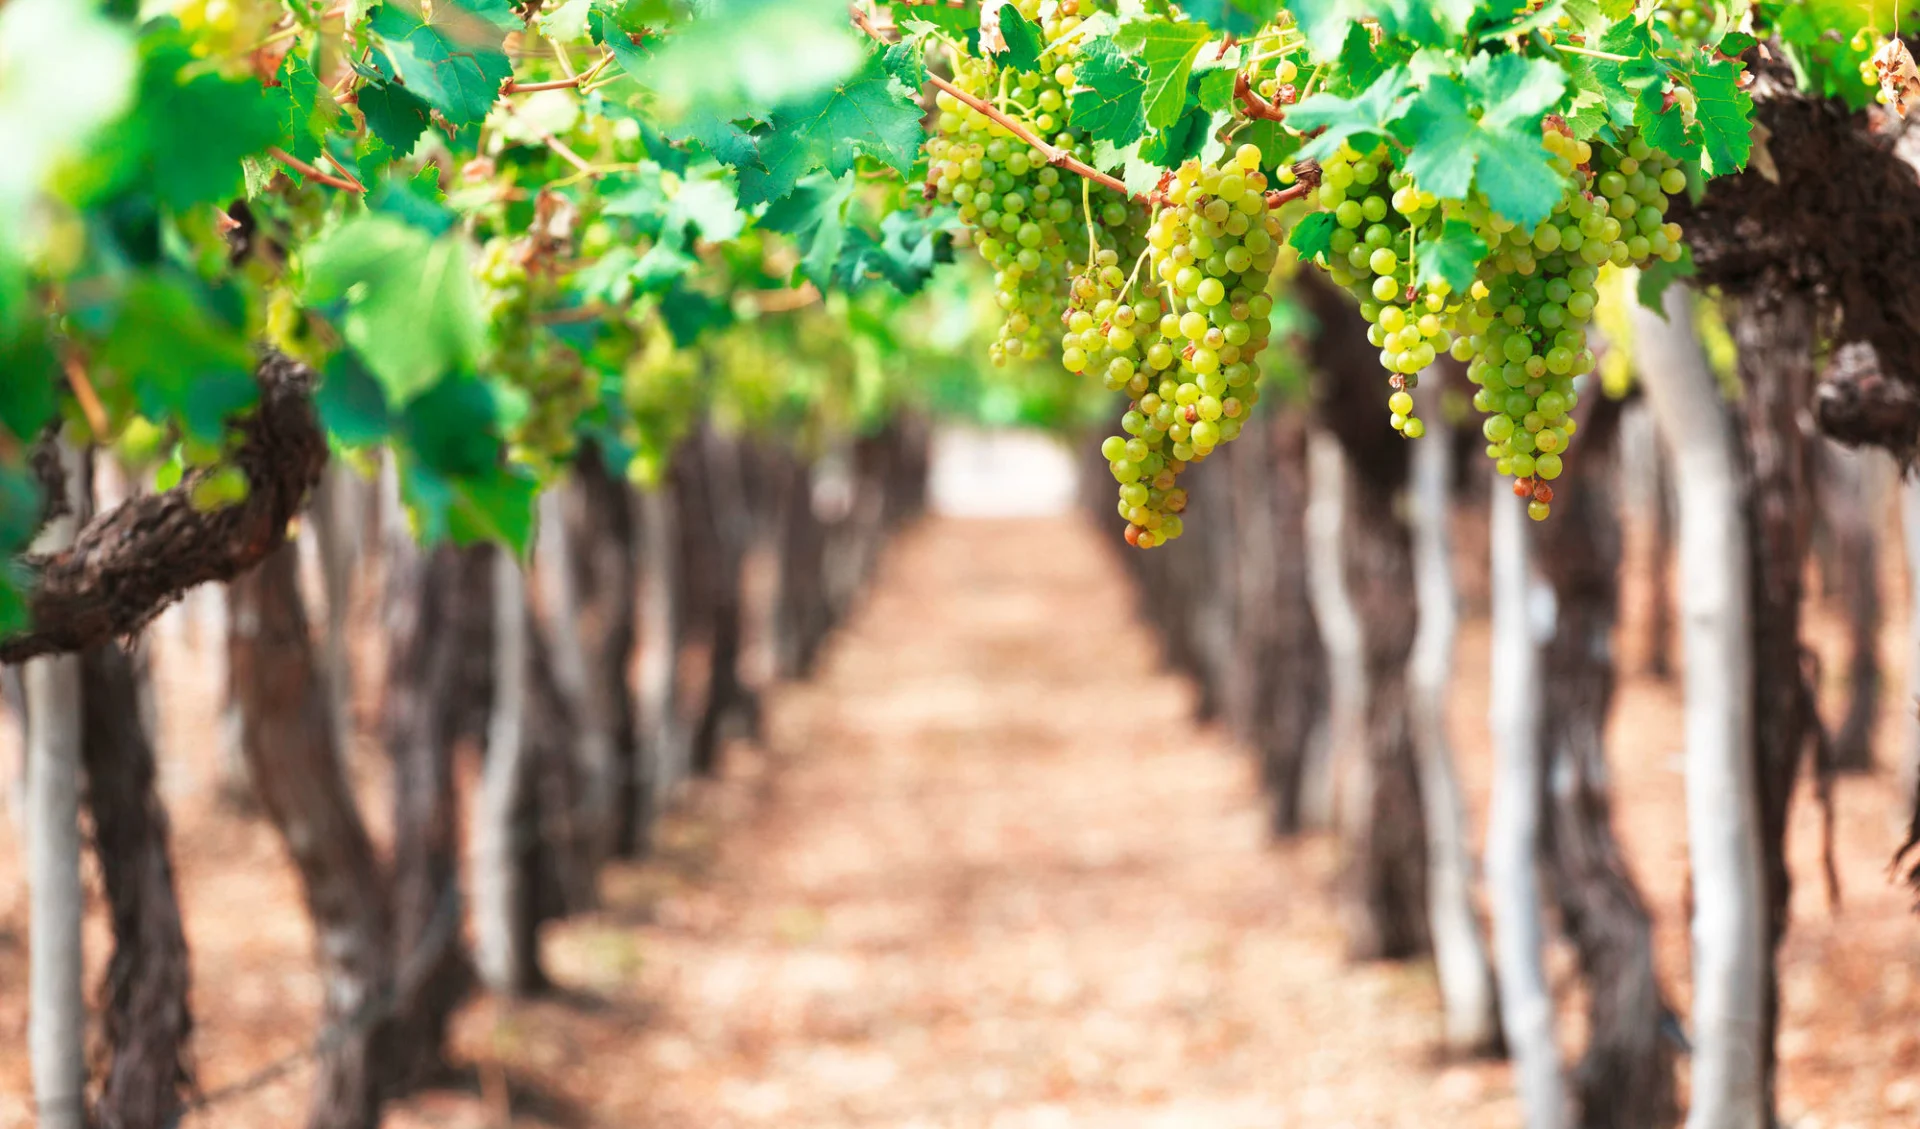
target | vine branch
[
  {"x": 133, "y": 560},
  {"x": 343, "y": 181},
  {"x": 1258, "y": 108}
]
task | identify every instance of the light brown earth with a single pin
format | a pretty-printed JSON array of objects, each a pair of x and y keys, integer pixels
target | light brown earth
[{"x": 984, "y": 873}]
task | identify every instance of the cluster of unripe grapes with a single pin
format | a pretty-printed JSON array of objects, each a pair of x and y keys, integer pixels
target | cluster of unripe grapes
[
  {"x": 1018, "y": 207},
  {"x": 1188, "y": 349},
  {"x": 1521, "y": 326},
  {"x": 557, "y": 385}
]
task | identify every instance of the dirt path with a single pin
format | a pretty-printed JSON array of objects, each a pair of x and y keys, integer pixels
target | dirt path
[
  {"x": 988, "y": 875},
  {"x": 984, "y": 873}
]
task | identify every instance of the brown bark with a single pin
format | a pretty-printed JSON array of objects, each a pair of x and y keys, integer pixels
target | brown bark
[
  {"x": 438, "y": 618},
  {"x": 1850, "y": 563},
  {"x": 800, "y": 612},
  {"x": 146, "y": 1019},
  {"x": 607, "y": 578},
  {"x": 129, "y": 563},
  {"x": 1625, "y": 1079},
  {"x": 1773, "y": 329},
  {"x": 289, "y": 743},
  {"x": 1296, "y": 691},
  {"x": 1386, "y": 875},
  {"x": 715, "y": 528}
]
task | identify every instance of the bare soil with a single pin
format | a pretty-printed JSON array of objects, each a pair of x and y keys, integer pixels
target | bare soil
[{"x": 984, "y": 872}]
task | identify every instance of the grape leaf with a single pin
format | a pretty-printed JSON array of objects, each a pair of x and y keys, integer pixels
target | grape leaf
[
  {"x": 1140, "y": 175},
  {"x": 724, "y": 140},
  {"x": 1363, "y": 118},
  {"x": 1452, "y": 256},
  {"x": 453, "y": 67},
  {"x": 869, "y": 113},
  {"x": 1023, "y": 38},
  {"x": 1326, "y": 23},
  {"x": 689, "y": 313},
  {"x": 567, "y": 20},
  {"x": 1167, "y": 50},
  {"x": 495, "y": 505},
  {"x": 954, "y": 20},
  {"x": 176, "y": 357},
  {"x": 815, "y": 214},
  {"x": 186, "y": 136},
  {"x": 352, "y": 406},
  {"x": 1360, "y": 63},
  {"x": 743, "y": 58},
  {"x": 28, "y": 397},
  {"x": 1724, "y": 114},
  {"x": 905, "y": 62},
  {"x": 1232, "y": 17},
  {"x": 1109, "y": 95},
  {"x": 708, "y": 206},
  {"x": 394, "y": 114},
  {"x": 411, "y": 312},
  {"x": 1485, "y": 130},
  {"x": 904, "y": 255},
  {"x": 1313, "y": 235},
  {"x": 1656, "y": 276},
  {"x": 1193, "y": 135},
  {"x": 1213, "y": 79},
  {"x": 306, "y": 118}
]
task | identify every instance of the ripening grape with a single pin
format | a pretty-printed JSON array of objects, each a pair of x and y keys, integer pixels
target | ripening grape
[
  {"x": 556, "y": 383},
  {"x": 1022, "y": 212},
  {"x": 1381, "y": 214},
  {"x": 1211, "y": 248}
]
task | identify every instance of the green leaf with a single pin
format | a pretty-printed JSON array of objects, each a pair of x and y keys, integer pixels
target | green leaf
[
  {"x": 1213, "y": 79},
  {"x": 1486, "y": 131},
  {"x": 1023, "y": 38},
  {"x": 1360, "y": 64},
  {"x": 454, "y": 427},
  {"x": 1140, "y": 175},
  {"x": 905, "y": 254},
  {"x": 394, "y": 115},
  {"x": 1363, "y": 119},
  {"x": 723, "y": 140},
  {"x": 411, "y": 312},
  {"x": 1109, "y": 96},
  {"x": 815, "y": 214},
  {"x": 566, "y": 21},
  {"x": 706, "y": 206},
  {"x": 352, "y": 406},
  {"x": 1725, "y": 116},
  {"x": 742, "y": 58},
  {"x": 868, "y": 114},
  {"x": 1313, "y": 235},
  {"x": 1167, "y": 50},
  {"x": 28, "y": 394},
  {"x": 1656, "y": 276},
  {"x": 186, "y": 136},
  {"x": 689, "y": 313},
  {"x": 495, "y": 506},
  {"x": 453, "y": 64},
  {"x": 1453, "y": 256},
  {"x": 306, "y": 116},
  {"x": 1735, "y": 43},
  {"x": 906, "y": 64},
  {"x": 1326, "y": 23},
  {"x": 178, "y": 360},
  {"x": 1194, "y": 135}
]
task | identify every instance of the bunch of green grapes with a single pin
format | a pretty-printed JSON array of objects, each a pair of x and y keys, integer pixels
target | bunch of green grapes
[
  {"x": 1381, "y": 214},
  {"x": 1525, "y": 337},
  {"x": 557, "y": 385},
  {"x": 1691, "y": 20},
  {"x": 1211, "y": 250},
  {"x": 661, "y": 389},
  {"x": 1018, "y": 207}
]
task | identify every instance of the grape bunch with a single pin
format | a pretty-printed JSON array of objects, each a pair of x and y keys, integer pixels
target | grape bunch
[
  {"x": 1211, "y": 249},
  {"x": 557, "y": 385},
  {"x": 1380, "y": 214},
  {"x": 1525, "y": 339},
  {"x": 1020, "y": 210},
  {"x": 1521, "y": 325}
]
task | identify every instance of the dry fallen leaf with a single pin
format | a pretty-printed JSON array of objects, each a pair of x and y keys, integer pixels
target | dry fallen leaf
[{"x": 1899, "y": 78}]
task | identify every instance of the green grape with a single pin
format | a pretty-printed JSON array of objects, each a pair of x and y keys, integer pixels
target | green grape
[
  {"x": 557, "y": 386},
  {"x": 219, "y": 489}
]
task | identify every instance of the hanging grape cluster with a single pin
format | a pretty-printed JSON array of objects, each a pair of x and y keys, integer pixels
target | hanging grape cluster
[
  {"x": 556, "y": 384},
  {"x": 1016, "y": 205},
  {"x": 1193, "y": 368},
  {"x": 1521, "y": 327}
]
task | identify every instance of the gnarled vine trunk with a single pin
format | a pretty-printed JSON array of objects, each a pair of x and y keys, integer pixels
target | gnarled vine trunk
[
  {"x": 146, "y": 1018},
  {"x": 1625, "y": 1078}
]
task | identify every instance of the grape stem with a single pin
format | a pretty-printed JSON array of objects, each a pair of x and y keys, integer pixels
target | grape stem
[
  {"x": 1257, "y": 107},
  {"x": 83, "y": 392},
  {"x": 343, "y": 181},
  {"x": 512, "y": 86}
]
